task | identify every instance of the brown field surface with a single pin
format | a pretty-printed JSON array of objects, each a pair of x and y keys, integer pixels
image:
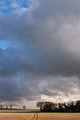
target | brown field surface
[
  {"x": 39, "y": 116},
  {"x": 16, "y": 116},
  {"x": 59, "y": 116}
]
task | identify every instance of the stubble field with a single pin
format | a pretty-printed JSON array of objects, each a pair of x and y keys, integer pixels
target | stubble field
[
  {"x": 39, "y": 116},
  {"x": 12, "y": 115}
]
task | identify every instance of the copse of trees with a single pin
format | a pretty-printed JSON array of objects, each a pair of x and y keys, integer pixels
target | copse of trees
[{"x": 59, "y": 107}]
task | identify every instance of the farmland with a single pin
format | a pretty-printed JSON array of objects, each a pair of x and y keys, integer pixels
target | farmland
[{"x": 39, "y": 116}]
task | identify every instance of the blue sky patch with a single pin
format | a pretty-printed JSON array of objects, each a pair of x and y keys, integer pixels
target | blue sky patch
[
  {"x": 7, "y": 6},
  {"x": 4, "y": 44}
]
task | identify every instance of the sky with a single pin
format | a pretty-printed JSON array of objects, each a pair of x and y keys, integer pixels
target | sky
[{"x": 39, "y": 51}]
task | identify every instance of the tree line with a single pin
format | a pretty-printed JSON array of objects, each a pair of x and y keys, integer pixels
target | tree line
[
  {"x": 73, "y": 106},
  {"x": 11, "y": 107}
]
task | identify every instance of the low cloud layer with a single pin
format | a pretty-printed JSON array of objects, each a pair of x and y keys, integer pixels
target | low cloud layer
[{"x": 41, "y": 60}]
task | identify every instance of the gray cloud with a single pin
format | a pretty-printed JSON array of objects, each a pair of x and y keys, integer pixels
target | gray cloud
[
  {"x": 50, "y": 8},
  {"x": 47, "y": 38}
]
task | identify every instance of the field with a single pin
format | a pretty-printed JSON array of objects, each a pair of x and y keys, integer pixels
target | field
[{"x": 38, "y": 116}]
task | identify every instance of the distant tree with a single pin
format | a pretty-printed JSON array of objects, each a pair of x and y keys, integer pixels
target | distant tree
[
  {"x": 24, "y": 107},
  {"x": 6, "y": 107},
  {"x": 71, "y": 106},
  {"x": 1, "y": 106},
  {"x": 60, "y": 107},
  {"x": 10, "y": 106},
  {"x": 77, "y": 105},
  {"x": 46, "y": 106},
  {"x": 49, "y": 106},
  {"x": 40, "y": 105},
  {"x": 65, "y": 107}
]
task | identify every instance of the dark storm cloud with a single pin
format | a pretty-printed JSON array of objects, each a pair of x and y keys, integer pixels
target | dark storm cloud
[
  {"x": 16, "y": 89},
  {"x": 43, "y": 52},
  {"x": 47, "y": 37}
]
